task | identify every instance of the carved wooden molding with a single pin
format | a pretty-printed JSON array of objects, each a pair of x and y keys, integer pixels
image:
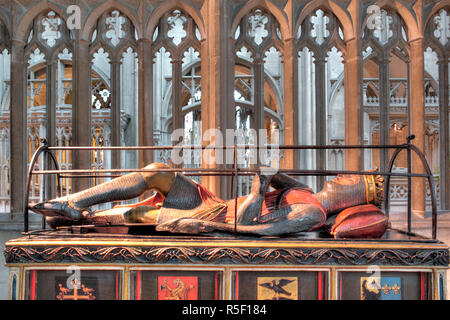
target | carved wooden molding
[{"x": 227, "y": 255}]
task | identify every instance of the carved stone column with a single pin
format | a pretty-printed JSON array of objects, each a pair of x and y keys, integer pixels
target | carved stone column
[
  {"x": 145, "y": 100},
  {"x": 258, "y": 94},
  {"x": 177, "y": 104},
  {"x": 354, "y": 158},
  {"x": 51, "y": 102},
  {"x": 290, "y": 66},
  {"x": 115, "y": 112},
  {"x": 384, "y": 89},
  {"x": 51, "y": 96},
  {"x": 321, "y": 116},
  {"x": 217, "y": 71},
  {"x": 258, "y": 107},
  {"x": 81, "y": 111},
  {"x": 417, "y": 125},
  {"x": 18, "y": 127},
  {"x": 306, "y": 114},
  {"x": 177, "y": 117},
  {"x": 444, "y": 160}
]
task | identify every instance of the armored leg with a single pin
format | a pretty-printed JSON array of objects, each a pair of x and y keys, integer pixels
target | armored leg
[{"x": 123, "y": 188}]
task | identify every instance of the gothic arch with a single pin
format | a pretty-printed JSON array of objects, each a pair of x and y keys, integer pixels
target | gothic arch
[
  {"x": 394, "y": 41},
  {"x": 168, "y": 6},
  {"x": 334, "y": 90},
  {"x": 432, "y": 41},
  {"x": 434, "y": 82},
  {"x": 114, "y": 51},
  {"x": 343, "y": 17},
  {"x": 91, "y": 21},
  {"x": 269, "y": 7},
  {"x": 98, "y": 45},
  {"x": 59, "y": 48},
  {"x": 102, "y": 75},
  {"x": 334, "y": 38},
  {"x": 445, "y": 5},
  {"x": 407, "y": 17},
  {"x": 435, "y": 46},
  {"x": 26, "y": 23},
  {"x": 4, "y": 21}
]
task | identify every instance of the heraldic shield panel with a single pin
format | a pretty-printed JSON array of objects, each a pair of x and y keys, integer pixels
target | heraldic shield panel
[
  {"x": 73, "y": 284},
  {"x": 385, "y": 286},
  {"x": 175, "y": 285},
  {"x": 280, "y": 285}
]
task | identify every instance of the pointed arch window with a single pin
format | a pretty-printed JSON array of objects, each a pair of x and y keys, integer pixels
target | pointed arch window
[
  {"x": 177, "y": 84},
  {"x": 114, "y": 85},
  {"x": 5, "y": 91},
  {"x": 320, "y": 52},
  {"x": 49, "y": 73},
  {"x": 258, "y": 86},
  {"x": 385, "y": 85},
  {"x": 437, "y": 58}
]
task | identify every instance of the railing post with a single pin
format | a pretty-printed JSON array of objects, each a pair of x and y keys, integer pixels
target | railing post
[
  {"x": 35, "y": 157},
  {"x": 43, "y": 147},
  {"x": 387, "y": 180},
  {"x": 408, "y": 150},
  {"x": 236, "y": 190},
  {"x": 432, "y": 189}
]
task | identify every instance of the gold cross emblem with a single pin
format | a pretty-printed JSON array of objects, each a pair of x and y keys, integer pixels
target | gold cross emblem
[{"x": 86, "y": 293}]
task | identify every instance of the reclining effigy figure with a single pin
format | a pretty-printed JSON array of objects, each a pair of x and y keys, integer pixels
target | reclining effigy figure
[{"x": 181, "y": 205}]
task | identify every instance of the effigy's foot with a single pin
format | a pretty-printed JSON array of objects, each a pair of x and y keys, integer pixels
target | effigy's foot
[
  {"x": 57, "y": 208},
  {"x": 122, "y": 188}
]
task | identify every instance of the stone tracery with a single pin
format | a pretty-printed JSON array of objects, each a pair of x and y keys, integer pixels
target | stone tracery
[{"x": 257, "y": 42}]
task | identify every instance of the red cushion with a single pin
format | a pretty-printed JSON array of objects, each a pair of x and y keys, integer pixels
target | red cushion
[{"x": 364, "y": 221}]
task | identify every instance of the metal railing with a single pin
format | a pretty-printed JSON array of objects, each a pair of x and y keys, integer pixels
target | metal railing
[{"x": 235, "y": 171}]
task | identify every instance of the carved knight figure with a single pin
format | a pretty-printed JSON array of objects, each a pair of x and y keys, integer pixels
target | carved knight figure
[{"x": 181, "y": 205}]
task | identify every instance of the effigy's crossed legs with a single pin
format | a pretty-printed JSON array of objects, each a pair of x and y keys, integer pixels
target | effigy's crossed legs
[
  {"x": 75, "y": 207},
  {"x": 300, "y": 218}
]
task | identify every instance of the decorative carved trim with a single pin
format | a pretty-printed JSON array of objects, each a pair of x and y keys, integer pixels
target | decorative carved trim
[{"x": 227, "y": 255}]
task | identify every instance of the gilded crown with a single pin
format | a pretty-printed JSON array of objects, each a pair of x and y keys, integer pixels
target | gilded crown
[{"x": 374, "y": 188}]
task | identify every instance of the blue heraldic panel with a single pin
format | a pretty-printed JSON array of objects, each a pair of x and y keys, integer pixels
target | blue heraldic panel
[
  {"x": 391, "y": 288},
  {"x": 381, "y": 288}
]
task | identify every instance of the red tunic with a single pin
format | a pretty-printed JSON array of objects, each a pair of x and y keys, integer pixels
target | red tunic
[{"x": 215, "y": 209}]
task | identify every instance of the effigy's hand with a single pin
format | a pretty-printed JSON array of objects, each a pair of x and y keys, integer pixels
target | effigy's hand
[{"x": 185, "y": 225}]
